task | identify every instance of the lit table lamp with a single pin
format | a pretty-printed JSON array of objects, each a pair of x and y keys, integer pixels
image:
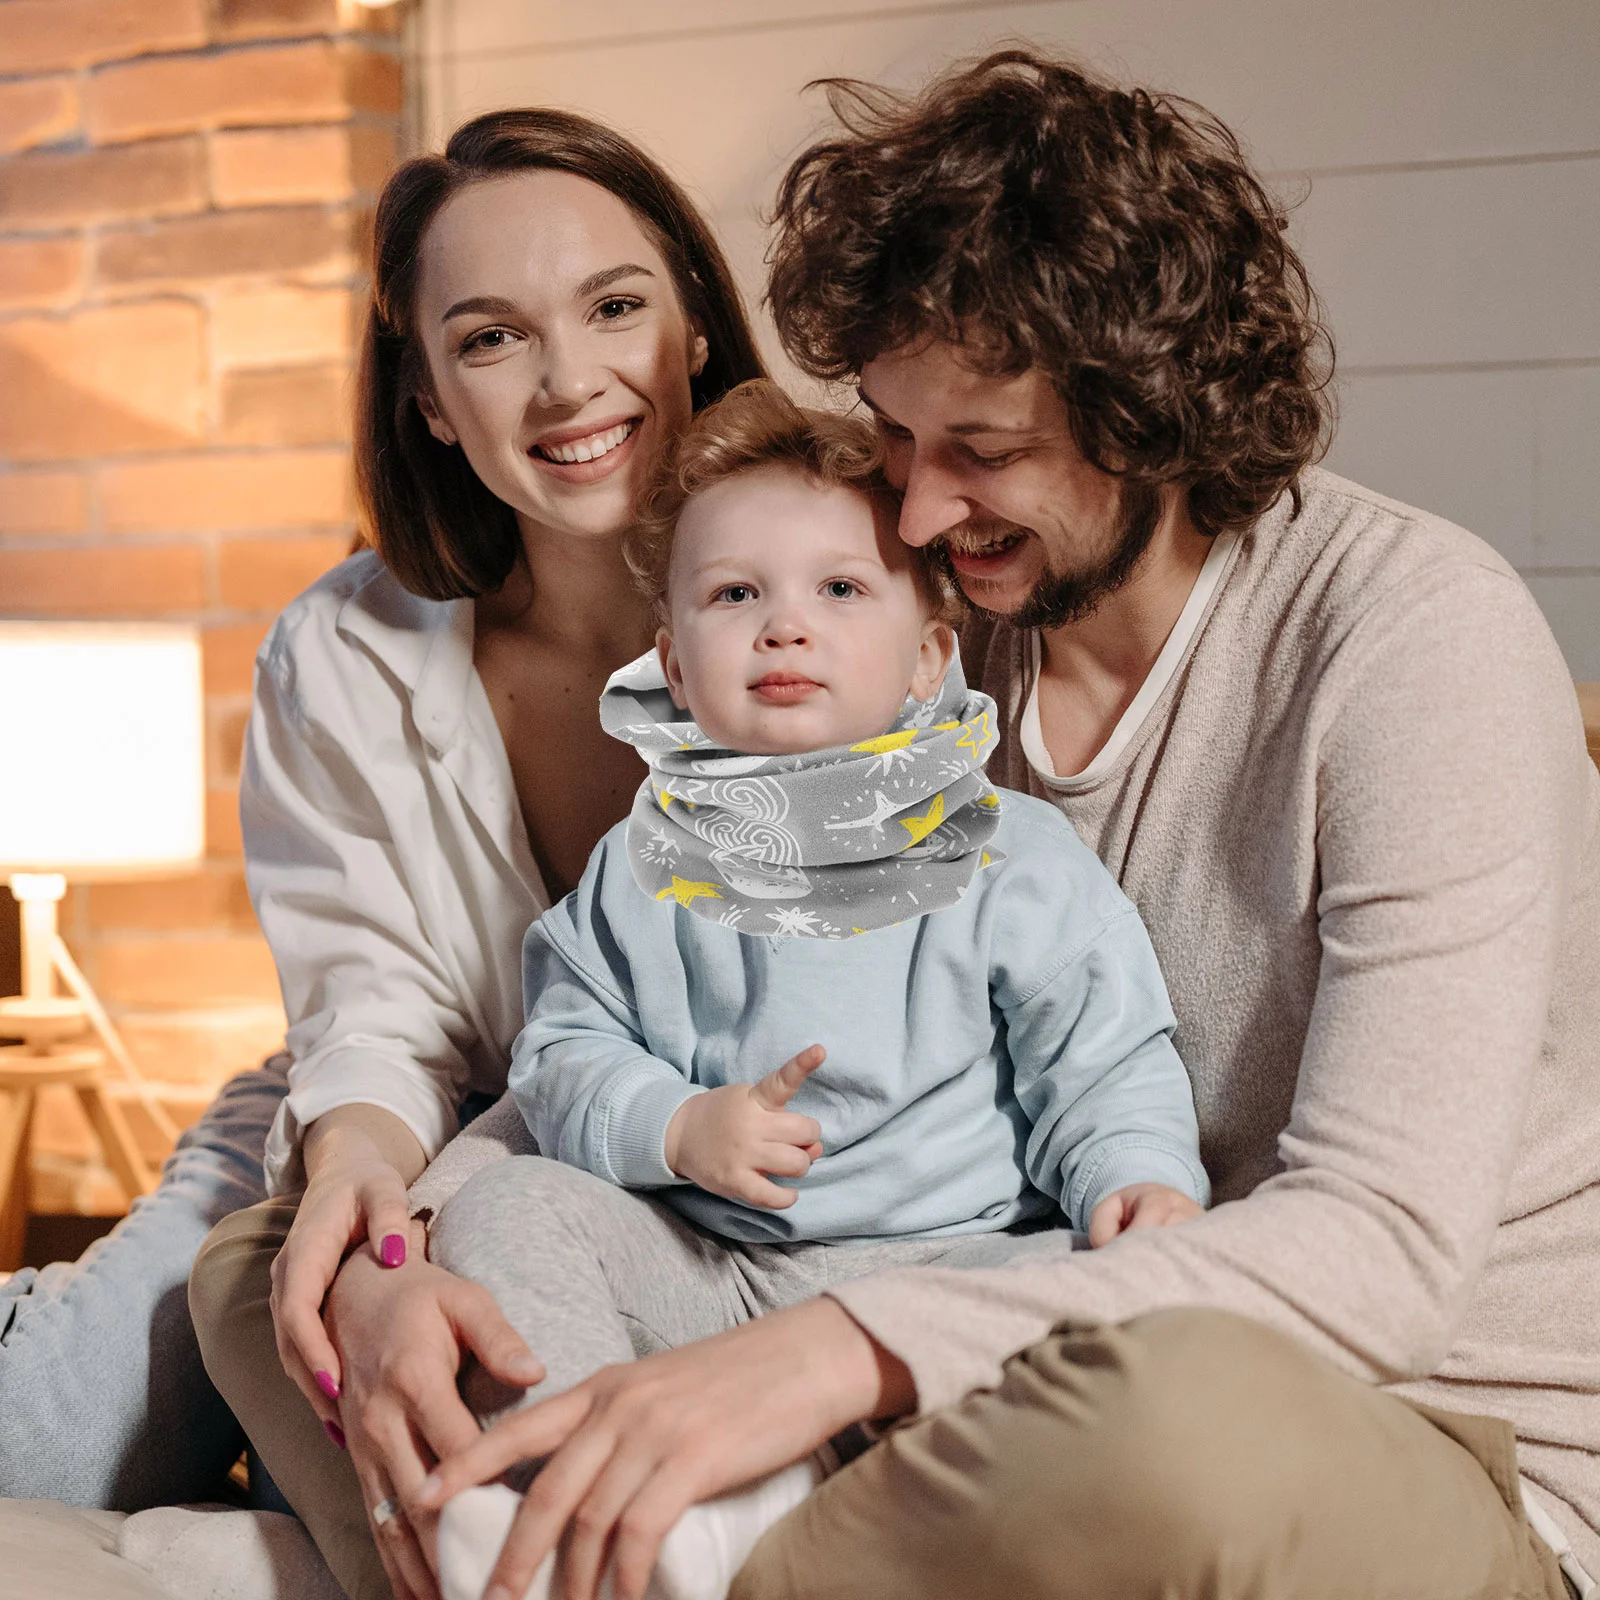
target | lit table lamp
[{"x": 102, "y": 750}]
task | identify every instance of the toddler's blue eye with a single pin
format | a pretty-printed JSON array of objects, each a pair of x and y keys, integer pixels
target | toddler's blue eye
[
  {"x": 736, "y": 593},
  {"x": 841, "y": 589}
]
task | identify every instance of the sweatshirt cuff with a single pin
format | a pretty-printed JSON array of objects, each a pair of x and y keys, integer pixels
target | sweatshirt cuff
[
  {"x": 1126, "y": 1162},
  {"x": 636, "y": 1129}
]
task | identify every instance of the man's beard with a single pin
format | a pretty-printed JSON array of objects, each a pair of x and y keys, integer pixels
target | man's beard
[{"x": 1059, "y": 598}]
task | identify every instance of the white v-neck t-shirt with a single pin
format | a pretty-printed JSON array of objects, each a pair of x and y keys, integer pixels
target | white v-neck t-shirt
[{"x": 1150, "y": 691}]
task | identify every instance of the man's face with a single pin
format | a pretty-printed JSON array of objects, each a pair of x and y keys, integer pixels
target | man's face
[{"x": 993, "y": 478}]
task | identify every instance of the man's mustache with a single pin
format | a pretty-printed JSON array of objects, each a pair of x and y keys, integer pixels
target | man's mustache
[{"x": 976, "y": 534}]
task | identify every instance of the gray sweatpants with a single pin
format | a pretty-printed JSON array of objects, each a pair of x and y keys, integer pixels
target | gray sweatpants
[{"x": 590, "y": 1274}]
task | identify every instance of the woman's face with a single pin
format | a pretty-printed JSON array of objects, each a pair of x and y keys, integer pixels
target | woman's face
[{"x": 559, "y": 354}]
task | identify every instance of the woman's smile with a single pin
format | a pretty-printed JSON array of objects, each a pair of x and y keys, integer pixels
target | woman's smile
[{"x": 588, "y": 452}]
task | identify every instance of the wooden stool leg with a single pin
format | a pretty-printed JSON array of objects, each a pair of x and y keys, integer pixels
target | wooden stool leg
[
  {"x": 16, "y": 1120},
  {"x": 116, "y": 1139}
]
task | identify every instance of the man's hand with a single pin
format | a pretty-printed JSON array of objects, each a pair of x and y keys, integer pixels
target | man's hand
[
  {"x": 632, "y": 1448},
  {"x": 734, "y": 1140},
  {"x": 1140, "y": 1205}
]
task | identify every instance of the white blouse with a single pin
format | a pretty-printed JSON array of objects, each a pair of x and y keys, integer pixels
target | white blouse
[{"x": 386, "y": 857}]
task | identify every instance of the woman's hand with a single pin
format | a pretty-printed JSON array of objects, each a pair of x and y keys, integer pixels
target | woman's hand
[
  {"x": 401, "y": 1333},
  {"x": 632, "y": 1448},
  {"x": 359, "y": 1160}
]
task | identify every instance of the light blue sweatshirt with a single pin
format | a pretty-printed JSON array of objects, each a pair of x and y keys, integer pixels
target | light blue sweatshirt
[{"x": 985, "y": 1063}]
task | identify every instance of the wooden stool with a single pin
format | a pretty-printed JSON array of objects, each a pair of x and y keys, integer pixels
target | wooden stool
[{"x": 49, "y": 1028}]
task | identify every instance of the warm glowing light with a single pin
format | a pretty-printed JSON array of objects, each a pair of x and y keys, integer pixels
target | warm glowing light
[{"x": 102, "y": 749}]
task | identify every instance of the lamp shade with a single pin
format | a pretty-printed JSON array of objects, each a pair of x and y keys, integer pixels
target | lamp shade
[{"x": 102, "y": 748}]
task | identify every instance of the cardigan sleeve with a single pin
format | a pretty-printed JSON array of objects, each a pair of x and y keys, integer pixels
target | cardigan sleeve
[{"x": 1451, "y": 809}]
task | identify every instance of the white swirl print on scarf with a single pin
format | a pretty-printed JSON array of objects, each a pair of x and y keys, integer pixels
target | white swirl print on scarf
[{"x": 866, "y": 835}]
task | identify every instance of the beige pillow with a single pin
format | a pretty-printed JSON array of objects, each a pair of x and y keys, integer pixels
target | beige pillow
[{"x": 49, "y": 1551}]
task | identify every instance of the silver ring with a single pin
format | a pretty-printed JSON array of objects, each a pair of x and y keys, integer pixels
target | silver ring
[{"x": 385, "y": 1512}]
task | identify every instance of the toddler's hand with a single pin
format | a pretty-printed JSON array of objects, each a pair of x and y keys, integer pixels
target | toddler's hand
[
  {"x": 727, "y": 1140},
  {"x": 1140, "y": 1205}
]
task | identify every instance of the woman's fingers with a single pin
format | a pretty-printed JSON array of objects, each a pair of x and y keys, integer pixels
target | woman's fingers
[
  {"x": 327, "y": 1410},
  {"x": 774, "y": 1091},
  {"x": 481, "y": 1326},
  {"x": 382, "y": 1199},
  {"x": 409, "y": 1574},
  {"x": 303, "y": 1273},
  {"x": 443, "y": 1423},
  {"x": 300, "y": 1279},
  {"x": 390, "y": 1462}
]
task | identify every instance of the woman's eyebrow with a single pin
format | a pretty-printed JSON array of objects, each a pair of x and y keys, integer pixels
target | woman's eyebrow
[
  {"x": 481, "y": 305},
  {"x": 596, "y": 281},
  {"x": 494, "y": 305}
]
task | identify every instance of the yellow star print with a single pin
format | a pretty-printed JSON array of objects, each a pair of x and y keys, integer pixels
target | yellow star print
[
  {"x": 978, "y": 735},
  {"x": 686, "y": 893},
  {"x": 886, "y": 741},
  {"x": 920, "y": 827}
]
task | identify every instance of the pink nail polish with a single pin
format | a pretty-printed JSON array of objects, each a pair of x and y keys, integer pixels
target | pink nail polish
[
  {"x": 335, "y": 1432},
  {"x": 393, "y": 1252},
  {"x": 326, "y": 1384}
]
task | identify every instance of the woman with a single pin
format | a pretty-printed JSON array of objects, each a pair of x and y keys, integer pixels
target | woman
[{"x": 425, "y": 768}]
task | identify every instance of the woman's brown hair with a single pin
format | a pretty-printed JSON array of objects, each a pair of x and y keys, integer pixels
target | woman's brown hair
[
  {"x": 1116, "y": 240},
  {"x": 437, "y": 527}
]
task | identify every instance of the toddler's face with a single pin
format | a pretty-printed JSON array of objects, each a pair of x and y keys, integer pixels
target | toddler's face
[{"x": 795, "y": 617}]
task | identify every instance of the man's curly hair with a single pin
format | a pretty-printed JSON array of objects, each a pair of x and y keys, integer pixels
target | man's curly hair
[{"x": 1115, "y": 239}]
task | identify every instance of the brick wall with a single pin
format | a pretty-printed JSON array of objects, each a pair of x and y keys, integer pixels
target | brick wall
[{"x": 185, "y": 187}]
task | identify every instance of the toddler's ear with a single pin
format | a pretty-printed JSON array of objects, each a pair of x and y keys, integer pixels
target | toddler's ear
[
  {"x": 669, "y": 666},
  {"x": 933, "y": 659}
]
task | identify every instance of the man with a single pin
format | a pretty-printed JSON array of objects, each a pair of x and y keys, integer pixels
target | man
[{"x": 1327, "y": 746}]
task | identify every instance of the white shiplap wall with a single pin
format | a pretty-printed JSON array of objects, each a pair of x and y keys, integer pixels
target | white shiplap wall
[{"x": 1448, "y": 151}]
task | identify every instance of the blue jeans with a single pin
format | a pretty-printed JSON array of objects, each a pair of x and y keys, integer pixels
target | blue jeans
[{"x": 103, "y": 1398}]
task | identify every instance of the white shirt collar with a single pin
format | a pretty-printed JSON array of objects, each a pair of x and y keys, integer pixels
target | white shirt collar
[{"x": 426, "y": 644}]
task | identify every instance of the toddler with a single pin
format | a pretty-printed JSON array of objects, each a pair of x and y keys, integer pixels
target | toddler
[{"x": 826, "y": 1002}]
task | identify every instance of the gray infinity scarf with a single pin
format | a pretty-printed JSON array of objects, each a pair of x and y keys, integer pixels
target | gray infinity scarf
[{"x": 825, "y": 845}]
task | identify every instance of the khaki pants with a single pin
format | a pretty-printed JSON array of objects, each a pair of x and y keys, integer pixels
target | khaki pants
[
  {"x": 1184, "y": 1454},
  {"x": 230, "y": 1288}
]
